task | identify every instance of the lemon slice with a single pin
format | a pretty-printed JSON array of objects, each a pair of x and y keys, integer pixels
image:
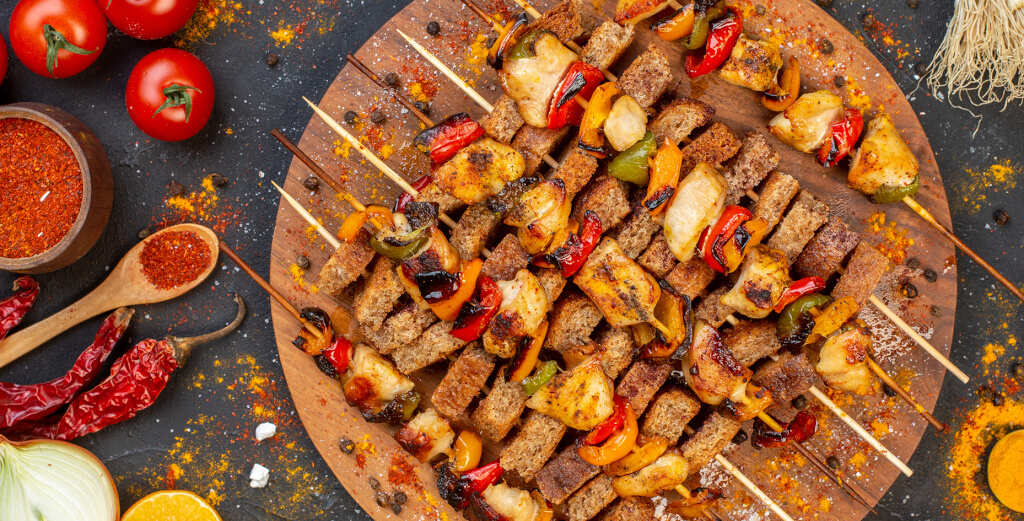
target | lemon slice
[
  {"x": 1004, "y": 476},
  {"x": 171, "y": 505}
]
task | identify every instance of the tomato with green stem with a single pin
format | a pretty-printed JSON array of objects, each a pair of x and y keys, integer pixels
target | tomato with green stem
[
  {"x": 58, "y": 38},
  {"x": 148, "y": 19},
  {"x": 170, "y": 95}
]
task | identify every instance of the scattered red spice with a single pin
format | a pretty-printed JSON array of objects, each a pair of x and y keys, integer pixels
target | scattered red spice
[
  {"x": 171, "y": 259},
  {"x": 42, "y": 188},
  {"x": 361, "y": 460},
  {"x": 401, "y": 472}
]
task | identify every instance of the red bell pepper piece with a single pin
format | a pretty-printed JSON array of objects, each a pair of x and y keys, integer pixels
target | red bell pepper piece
[
  {"x": 803, "y": 426},
  {"x": 339, "y": 354},
  {"x": 714, "y": 237},
  {"x": 419, "y": 185},
  {"x": 445, "y": 139},
  {"x": 581, "y": 80},
  {"x": 841, "y": 139},
  {"x": 476, "y": 314},
  {"x": 725, "y": 32},
  {"x": 607, "y": 427},
  {"x": 570, "y": 256},
  {"x": 799, "y": 288}
]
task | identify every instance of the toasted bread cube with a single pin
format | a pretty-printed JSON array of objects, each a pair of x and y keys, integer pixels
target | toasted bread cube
[
  {"x": 607, "y": 44},
  {"x": 752, "y": 340},
  {"x": 677, "y": 120},
  {"x": 633, "y": 508},
  {"x": 647, "y": 78},
  {"x": 446, "y": 203},
  {"x": 712, "y": 310},
  {"x": 379, "y": 294},
  {"x": 716, "y": 433},
  {"x": 607, "y": 197},
  {"x": 507, "y": 258},
  {"x": 499, "y": 410},
  {"x": 615, "y": 348},
  {"x": 533, "y": 445},
  {"x": 592, "y": 498},
  {"x": 715, "y": 146},
  {"x": 863, "y": 272},
  {"x": 566, "y": 20},
  {"x": 669, "y": 413},
  {"x": 465, "y": 377},
  {"x": 564, "y": 474},
  {"x": 475, "y": 229},
  {"x": 774, "y": 198},
  {"x": 755, "y": 160},
  {"x": 403, "y": 326},
  {"x": 433, "y": 345},
  {"x": 825, "y": 253},
  {"x": 504, "y": 121},
  {"x": 690, "y": 278},
  {"x": 572, "y": 320},
  {"x": 345, "y": 265},
  {"x": 575, "y": 170},
  {"x": 658, "y": 259},
  {"x": 553, "y": 283},
  {"x": 797, "y": 228},
  {"x": 534, "y": 143},
  {"x": 641, "y": 382},
  {"x": 786, "y": 378},
  {"x": 635, "y": 233}
]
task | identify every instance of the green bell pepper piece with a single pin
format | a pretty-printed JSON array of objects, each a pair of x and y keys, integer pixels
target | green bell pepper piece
[
  {"x": 400, "y": 247},
  {"x": 790, "y": 318},
  {"x": 524, "y": 47},
  {"x": 632, "y": 165},
  {"x": 890, "y": 194},
  {"x": 540, "y": 378}
]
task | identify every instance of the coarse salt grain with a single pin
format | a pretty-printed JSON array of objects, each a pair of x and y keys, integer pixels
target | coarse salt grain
[
  {"x": 265, "y": 430},
  {"x": 259, "y": 477}
]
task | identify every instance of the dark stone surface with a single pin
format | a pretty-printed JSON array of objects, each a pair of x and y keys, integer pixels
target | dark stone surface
[{"x": 203, "y": 422}]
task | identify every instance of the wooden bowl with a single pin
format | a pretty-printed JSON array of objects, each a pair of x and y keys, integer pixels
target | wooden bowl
[{"x": 97, "y": 188}]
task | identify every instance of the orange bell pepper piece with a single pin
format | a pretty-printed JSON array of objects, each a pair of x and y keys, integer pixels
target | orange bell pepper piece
[
  {"x": 616, "y": 447},
  {"x": 448, "y": 309},
  {"x": 546, "y": 512},
  {"x": 779, "y": 98},
  {"x": 591, "y": 127},
  {"x": 664, "y": 177},
  {"x": 834, "y": 315},
  {"x": 526, "y": 360},
  {"x": 468, "y": 448},
  {"x": 677, "y": 26},
  {"x": 380, "y": 216},
  {"x": 638, "y": 459}
]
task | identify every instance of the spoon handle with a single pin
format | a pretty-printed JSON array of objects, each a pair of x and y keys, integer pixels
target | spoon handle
[{"x": 31, "y": 337}]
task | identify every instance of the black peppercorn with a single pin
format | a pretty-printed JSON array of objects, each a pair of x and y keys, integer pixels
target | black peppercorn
[
  {"x": 909, "y": 290},
  {"x": 824, "y": 3},
  {"x": 986, "y": 393},
  {"x": 1002, "y": 218},
  {"x": 921, "y": 68},
  {"x": 302, "y": 262},
  {"x": 346, "y": 445},
  {"x": 400, "y": 498},
  {"x": 826, "y": 47},
  {"x": 396, "y": 508},
  {"x": 378, "y": 117},
  {"x": 868, "y": 20},
  {"x": 145, "y": 232},
  {"x": 271, "y": 59},
  {"x": 998, "y": 400},
  {"x": 175, "y": 189},
  {"x": 914, "y": 264},
  {"x": 930, "y": 275},
  {"x": 740, "y": 437},
  {"x": 839, "y": 81},
  {"x": 383, "y": 500},
  {"x": 760, "y": 10},
  {"x": 912, "y": 4},
  {"x": 422, "y": 106},
  {"x": 433, "y": 28},
  {"x": 1018, "y": 370},
  {"x": 799, "y": 403},
  {"x": 311, "y": 183},
  {"x": 935, "y": 311},
  {"x": 374, "y": 484},
  {"x": 391, "y": 79},
  {"x": 833, "y": 462},
  {"x": 889, "y": 391},
  {"x": 218, "y": 180},
  {"x": 351, "y": 117}
]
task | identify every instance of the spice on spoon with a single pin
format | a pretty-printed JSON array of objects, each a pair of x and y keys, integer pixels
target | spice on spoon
[
  {"x": 30, "y": 402},
  {"x": 174, "y": 258},
  {"x": 14, "y": 307}
]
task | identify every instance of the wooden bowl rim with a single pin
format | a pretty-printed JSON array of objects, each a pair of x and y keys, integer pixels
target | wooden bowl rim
[{"x": 31, "y": 111}]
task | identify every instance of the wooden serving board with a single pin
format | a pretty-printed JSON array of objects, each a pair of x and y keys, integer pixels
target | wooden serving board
[{"x": 801, "y": 26}]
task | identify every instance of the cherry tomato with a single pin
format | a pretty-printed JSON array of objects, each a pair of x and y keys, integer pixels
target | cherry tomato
[
  {"x": 170, "y": 94},
  {"x": 149, "y": 19},
  {"x": 3, "y": 59},
  {"x": 58, "y": 38}
]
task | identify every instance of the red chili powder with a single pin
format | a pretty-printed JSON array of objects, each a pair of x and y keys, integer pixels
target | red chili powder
[
  {"x": 171, "y": 259},
  {"x": 42, "y": 188}
]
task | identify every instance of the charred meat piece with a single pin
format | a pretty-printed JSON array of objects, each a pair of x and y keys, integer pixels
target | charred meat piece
[
  {"x": 647, "y": 78},
  {"x": 345, "y": 265},
  {"x": 379, "y": 294},
  {"x": 677, "y": 120},
  {"x": 463, "y": 381},
  {"x": 641, "y": 382},
  {"x": 752, "y": 340},
  {"x": 711, "y": 438},
  {"x": 806, "y": 124},
  {"x": 842, "y": 361},
  {"x": 504, "y": 121},
  {"x": 774, "y": 198},
  {"x": 622, "y": 290},
  {"x": 605, "y": 196},
  {"x": 477, "y": 227},
  {"x": 479, "y": 170},
  {"x": 530, "y": 77},
  {"x": 523, "y": 307},
  {"x": 534, "y": 142},
  {"x": 581, "y": 397},
  {"x": 540, "y": 214},
  {"x": 883, "y": 159},
  {"x": 607, "y": 43},
  {"x": 403, "y": 326},
  {"x": 669, "y": 413},
  {"x": 668, "y": 471},
  {"x": 499, "y": 410},
  {"x": 714, "y": 146},
  {"x": 690, "y": 278},
  {"x": 573, "y": 319},
  {"x": 753, "y": 64},
  {"x": 863, "y": 272},
  {"x": 788, "y": 377},
  {"x": 426, "y": 435},
  {"x": 500, "y": 502},
  {"x": 764, "y": 276},
  {"x": 432, "y": 346},
  {"x": 591, "y": 499},
  {"x": 533, "y": 445},
  {"x": 565, "y": 474},
  {"x": 797, "y": 229},
  {"x": 711, "y": 370},
  {"x": 825, "y": 253},
  {"x": 755, "y": 160},
  {"x": 507, "y": 258},
  {"x": 698, "y": 202}
]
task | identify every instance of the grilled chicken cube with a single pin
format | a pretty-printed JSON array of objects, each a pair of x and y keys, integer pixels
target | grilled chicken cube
[
  {"x": 883, "y": 159},
  {"x": 622, "y": 290},
  {"x": 763, "y": 278},
  {"x": 437, "y": 256},
  {"x": 511, "y": 504},
  {"x": 540, "y": 213},
  {"x": 698, "y": 202},
  {"x": 753, "y": 64},
  {"x": 523, "y": 306},
  {"x": 663, "y": 475},
  {"x": 426, "y": 435},
  {"x": 532, "y": 80},
  {"x": 711, "y": 371},
  {"x": 374, "y": 380},
  {"x": 480, "y": 170},
  {"x": 626, "y": 123},
  {"x": 806, "y": 124},
  {"x": 581, "y": 398},
  {"x": 842, "y": 362}
]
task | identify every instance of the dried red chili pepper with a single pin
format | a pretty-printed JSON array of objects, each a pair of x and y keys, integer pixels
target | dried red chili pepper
[
  {"x": 135, "y": 382},
  {"x": 14, "y": 307},
  {"x": 406, "y": 197},
  {"x": 29, "y": 402}
]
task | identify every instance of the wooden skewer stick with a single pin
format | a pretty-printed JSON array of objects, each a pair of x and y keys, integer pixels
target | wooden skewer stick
[
  {"x": 685, "y": 492},
  {"x": 319, "y": 172},
  {"x": 331, "y": 239},
  {"x": 927, "y": 216},
  {"x": 269, "y": 289}
]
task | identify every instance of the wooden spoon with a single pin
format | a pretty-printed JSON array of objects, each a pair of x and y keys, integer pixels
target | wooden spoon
[{"x": 125, "y": 286}]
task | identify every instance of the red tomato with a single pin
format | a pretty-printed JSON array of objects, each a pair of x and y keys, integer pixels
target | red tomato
[
  {"x": 170, "y": 94},
  {"x": 149, "y": 19},
  {"x": 3, "y": 59},
  {"x": 58, "y": 38}
]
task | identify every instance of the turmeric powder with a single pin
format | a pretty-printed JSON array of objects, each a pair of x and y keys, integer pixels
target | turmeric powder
[{"x": 1004, "y": 476}]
